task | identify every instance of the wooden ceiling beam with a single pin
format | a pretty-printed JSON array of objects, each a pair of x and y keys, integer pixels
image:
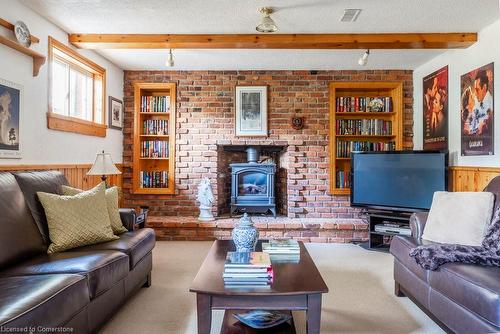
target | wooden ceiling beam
[{"x": 275, "y": 41}]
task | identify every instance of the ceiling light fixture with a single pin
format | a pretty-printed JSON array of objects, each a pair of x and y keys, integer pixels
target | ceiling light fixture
[
  {"x": 266, "y": 24},
  {"x": 170, "y": 59},
  {"x": 363, "y": 60}
]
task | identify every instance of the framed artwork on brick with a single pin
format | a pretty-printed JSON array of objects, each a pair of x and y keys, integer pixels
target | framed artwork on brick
[
  {"x": 251, "y": 111},
  {"x": 11, "y": 97}
]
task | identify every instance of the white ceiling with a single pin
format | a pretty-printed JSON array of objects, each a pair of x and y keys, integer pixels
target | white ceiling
[{"x": 241, "y": 16}]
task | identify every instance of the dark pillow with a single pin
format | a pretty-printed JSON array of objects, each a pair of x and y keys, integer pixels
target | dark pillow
[{"x": 44, "y": 181}]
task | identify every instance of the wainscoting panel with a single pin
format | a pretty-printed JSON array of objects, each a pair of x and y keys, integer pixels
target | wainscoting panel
[
  {"x": 76, "y": 174},
  {"x": 471, "y": 178}
]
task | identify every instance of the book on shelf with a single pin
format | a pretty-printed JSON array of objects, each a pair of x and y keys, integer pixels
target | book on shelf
[
  {"x": 345, "y": 147},
  {"x": 363, "y": 127},
  {"x": 363, "y": 104},
  {"x": 154, "y": 149},
  {"x": 342, "y": 179},
  {"x": 155, "y": 127},
  {"x": 155, "y": 103},
  {"x": 157, "y": 179}
]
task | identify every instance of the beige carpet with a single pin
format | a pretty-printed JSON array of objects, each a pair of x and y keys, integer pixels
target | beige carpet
[{"x": 360, "y": 300}]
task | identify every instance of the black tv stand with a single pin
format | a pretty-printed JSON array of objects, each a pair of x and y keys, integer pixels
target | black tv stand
[{"x": 379, "y": 240}]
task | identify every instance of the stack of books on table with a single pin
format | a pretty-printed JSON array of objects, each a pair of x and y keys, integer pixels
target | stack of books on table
[
  {"x": 247, "y": 269},
  {"x": 286, "y": 250}
]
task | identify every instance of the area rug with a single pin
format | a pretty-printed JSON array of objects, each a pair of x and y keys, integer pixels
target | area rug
[{"x": 361, "y": 298}]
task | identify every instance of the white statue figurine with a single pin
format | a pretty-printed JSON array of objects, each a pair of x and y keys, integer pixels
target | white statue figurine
[{"x": 206, "y": 199}]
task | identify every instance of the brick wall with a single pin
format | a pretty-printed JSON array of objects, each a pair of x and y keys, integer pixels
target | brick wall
[{"x": 205, "y": 122}]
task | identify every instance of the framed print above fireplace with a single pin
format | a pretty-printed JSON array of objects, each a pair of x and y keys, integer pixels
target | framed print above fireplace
[{"x": 251, "y": 111}]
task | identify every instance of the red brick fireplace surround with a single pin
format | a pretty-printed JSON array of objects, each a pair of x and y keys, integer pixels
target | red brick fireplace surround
[{"x": 205, "y": 125}]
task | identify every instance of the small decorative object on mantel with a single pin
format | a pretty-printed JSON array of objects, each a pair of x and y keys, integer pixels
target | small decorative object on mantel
[
  {"x": 245, "y": 235},
  {"x": 206, "y": 199},
  {"x": 297, "y": 123}
]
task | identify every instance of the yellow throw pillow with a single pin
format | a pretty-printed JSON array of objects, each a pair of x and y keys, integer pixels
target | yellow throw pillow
[
  {"x": 76, "y": 221},
  {"x": 111, "y": 202}
]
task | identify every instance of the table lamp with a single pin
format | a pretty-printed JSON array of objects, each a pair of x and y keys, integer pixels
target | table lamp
[{"x": 104, "y": 166}]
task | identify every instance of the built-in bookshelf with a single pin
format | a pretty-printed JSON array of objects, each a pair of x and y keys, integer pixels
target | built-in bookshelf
[
  {"x": 154, "y": 138},
  {"x": 364, "y": 116}
]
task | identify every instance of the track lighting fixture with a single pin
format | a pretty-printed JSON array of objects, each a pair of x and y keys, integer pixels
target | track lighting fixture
[
  {"x": 363, "y": 60},
  {"x": 170, "y": 59},
  {"x": 266, "y": 24}
]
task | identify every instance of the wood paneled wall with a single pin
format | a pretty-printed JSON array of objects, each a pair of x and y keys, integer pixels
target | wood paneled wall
[
  {"x": 460, "y": 178},
  {"x": 76, "y": 174},
  {"x": 471, "y": 178}
]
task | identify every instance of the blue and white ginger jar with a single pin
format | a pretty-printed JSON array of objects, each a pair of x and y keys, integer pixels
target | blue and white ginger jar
[{"x": 245, "y": 235}]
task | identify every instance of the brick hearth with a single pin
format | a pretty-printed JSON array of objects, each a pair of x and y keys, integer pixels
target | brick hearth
[{"x": 304, "y": 229}]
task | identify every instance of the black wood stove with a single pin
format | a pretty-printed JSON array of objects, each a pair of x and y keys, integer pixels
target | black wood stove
[{"x": 252, "y": 185}]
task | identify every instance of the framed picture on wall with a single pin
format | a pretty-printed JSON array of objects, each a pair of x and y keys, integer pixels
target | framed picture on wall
[
  {"x": 251, "y": 111},
  {"x": 477, "y": 111},
  {"x": 11, "y": 97},
  {"x": 435, "y": 111},
  {"x": 115, "y": 113}
]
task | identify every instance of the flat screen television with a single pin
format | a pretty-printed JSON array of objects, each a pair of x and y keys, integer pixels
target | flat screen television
[{"x": 397, "y": 180}]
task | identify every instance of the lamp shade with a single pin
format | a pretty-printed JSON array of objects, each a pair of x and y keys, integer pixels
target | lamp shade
[{"x": 103, "y": 165}]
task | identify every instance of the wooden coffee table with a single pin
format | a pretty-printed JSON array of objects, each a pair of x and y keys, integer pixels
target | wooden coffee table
[{"x": 296, "y": 286}]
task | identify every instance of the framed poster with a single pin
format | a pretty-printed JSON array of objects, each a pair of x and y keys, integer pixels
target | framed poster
[
  {"x": 115, "y": 113},
  {"x": 11, "y": 95},
  {"x": 435, "y": 102},
  {"x": 251, "y": 111},
  {"x": 477, "y": 111}
]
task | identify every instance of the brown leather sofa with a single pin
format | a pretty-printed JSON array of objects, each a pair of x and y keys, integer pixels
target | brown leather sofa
[
  {"x": 76, "y": 290},
  {"x": 462, "y": 298}
]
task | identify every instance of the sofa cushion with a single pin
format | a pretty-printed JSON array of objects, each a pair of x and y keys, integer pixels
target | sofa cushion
[
  {"x": 102, "y": 268},
  {"x": 45, "y": 181},
  {"x": 76, "y": 221},
  {"x": 19, "y": 235},
  {"x": 475, "y": 288},
  {"x": 41, "y": 300},
  {"x": 112, "y": 199},
  {"x": 459, "y": 217},
  {"x": 400, "y": 248},
  {"x": 136, "y": 244}
]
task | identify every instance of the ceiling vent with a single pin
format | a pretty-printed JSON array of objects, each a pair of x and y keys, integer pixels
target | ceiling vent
[{"x": 350, "y": 15}]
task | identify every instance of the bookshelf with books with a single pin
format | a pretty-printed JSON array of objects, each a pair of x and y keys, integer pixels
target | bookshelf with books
[
  {"x": 154, "y": 138},
  {"x": 364, "y": 116}
]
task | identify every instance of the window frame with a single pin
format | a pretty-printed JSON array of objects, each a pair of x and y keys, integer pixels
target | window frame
[{"x": 75, "y": 61}]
